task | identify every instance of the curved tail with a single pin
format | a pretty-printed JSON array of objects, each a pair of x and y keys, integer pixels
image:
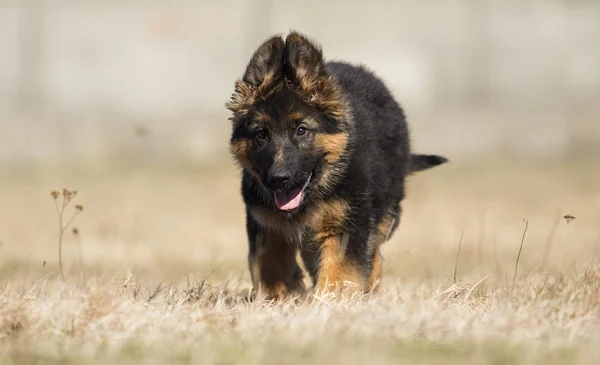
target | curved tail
[{"x": 424, "y": 162}]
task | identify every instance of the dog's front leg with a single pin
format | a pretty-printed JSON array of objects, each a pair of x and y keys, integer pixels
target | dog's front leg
[
  {"x": 273, "y": 266},
  {"x": 337, "y": 270}
]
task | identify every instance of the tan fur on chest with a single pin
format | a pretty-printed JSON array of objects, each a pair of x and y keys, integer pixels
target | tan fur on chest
[{"x": 317, "y": 222}]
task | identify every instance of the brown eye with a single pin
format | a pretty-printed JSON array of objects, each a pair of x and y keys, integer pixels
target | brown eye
[
  {"x": 261, "y": 134},
  {"x": 301, "y": 131}
]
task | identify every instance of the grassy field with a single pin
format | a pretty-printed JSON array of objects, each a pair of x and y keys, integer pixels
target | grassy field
[{"x": 163, "y": 279}]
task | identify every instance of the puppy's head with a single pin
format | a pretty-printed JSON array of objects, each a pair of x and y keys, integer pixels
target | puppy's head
[{"x": 290, "y": 121}]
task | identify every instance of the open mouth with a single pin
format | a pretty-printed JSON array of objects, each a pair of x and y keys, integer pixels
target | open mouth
[{"x": 292, "y": 198}]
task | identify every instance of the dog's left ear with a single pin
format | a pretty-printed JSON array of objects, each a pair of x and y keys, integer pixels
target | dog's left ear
[
  {"x": 304, "y": 68},
  {"x": 303, "y": 60}
]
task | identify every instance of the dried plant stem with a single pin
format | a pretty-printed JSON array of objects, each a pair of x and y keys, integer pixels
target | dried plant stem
[
  {"x": 457, "y": 255},
  {"x": 80, "y": 254},
  {"x": 498, "y": 271},
  {"x": 519, "y": 254},
  {"x": 480, "y": 243},
  {"x": 67, "y": 196},
  {"x": 60, "y": 237}
]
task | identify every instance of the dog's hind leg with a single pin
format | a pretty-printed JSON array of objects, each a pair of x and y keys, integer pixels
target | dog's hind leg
[
  {"x": 376, "y": 269},
  {"x": 310, "y": 257},
  {"x": 386, "y": 226}
]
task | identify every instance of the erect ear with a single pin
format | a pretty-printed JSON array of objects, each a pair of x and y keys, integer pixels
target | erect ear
[
  {"x": 304, "y": 67},
  {"x": 266, "y": 65},
  {"x": 304, "y": 63},
  {"x": 264, "y": 70}
]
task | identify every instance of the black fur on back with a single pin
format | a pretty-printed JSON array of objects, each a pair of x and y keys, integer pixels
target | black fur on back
[{"x": 379, "y": 156}]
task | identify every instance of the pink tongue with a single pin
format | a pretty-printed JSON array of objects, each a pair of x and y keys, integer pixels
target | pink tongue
[{"x": 288, "y": 200}]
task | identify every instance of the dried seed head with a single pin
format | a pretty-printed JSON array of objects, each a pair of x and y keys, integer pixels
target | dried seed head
[
  {"x": 75, "y": 231},
  {"x": 79, "y": 207},
  {"x": 55, "y": 195},
  {"x": 569, "y": 218},
  {"x": 66, "y": 193}
]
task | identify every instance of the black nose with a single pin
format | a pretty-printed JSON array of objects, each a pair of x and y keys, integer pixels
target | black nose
[{"x": 278, "y": 178}]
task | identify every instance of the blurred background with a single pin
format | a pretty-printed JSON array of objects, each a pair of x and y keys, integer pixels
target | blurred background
[
  {"x": 129, "y": 98},
  {"x": 84, "y": 80}
]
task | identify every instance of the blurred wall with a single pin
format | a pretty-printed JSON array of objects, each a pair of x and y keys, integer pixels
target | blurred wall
[{"x": 104, "y": 80}]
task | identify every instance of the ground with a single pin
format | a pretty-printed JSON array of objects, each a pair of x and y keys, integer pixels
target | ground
[{"x": 163, "y": 275}]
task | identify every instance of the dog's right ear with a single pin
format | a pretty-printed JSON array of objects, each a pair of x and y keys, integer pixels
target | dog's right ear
[
  {"x": 266, "y": 65},
  {"x": 263, "y": 71}
]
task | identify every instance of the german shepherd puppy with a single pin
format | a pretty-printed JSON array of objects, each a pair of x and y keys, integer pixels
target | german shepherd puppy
[{"x": 324, "y": 150}]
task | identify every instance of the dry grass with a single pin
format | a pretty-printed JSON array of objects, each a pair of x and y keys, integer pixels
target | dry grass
[{"x": 166, "y": 279}]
